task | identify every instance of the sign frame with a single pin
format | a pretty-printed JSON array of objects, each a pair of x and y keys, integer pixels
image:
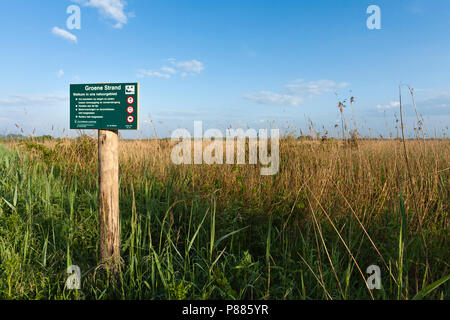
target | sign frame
[{"x": 104, "y": 106}]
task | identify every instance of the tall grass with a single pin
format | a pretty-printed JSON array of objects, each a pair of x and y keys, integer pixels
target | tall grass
[{"x": 226, "y": 232}]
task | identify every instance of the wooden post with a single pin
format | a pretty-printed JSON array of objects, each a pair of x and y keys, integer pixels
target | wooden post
[{"x": 108, "y": 175}]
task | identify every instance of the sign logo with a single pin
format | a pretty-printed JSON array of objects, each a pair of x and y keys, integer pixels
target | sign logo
[
  {"x": 130, "y": 119},
  {"x": 130, "y": 109},
  {"x": 130, "y": 89},
  {"x": 130, "y": 100}
]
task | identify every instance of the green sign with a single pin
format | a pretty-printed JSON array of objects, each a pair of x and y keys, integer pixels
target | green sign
[{"x": 104, "y": 106}]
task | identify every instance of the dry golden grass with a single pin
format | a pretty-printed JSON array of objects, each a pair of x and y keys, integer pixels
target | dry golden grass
[
  {"x": 365, "y": 178},
  {"x": 333, "y": 209}
]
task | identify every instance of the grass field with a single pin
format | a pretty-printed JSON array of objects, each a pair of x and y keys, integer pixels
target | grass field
[{"x": 225, "y": 231}]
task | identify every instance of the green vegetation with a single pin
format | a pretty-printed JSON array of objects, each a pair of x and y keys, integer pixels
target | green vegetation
[{"x": 225, "y": 232}]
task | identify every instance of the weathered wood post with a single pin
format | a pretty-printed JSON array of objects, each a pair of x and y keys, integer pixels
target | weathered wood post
[{"x": 108, "y": 175}]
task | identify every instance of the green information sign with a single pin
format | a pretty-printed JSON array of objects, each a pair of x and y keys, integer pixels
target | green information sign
[{"x": 104, "y": 106}]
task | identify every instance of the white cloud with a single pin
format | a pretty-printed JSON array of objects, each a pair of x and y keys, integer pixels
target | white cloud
[
  {"x": 184, "y": 67},
  {"x": 168, "y": 70},
  {"x": 391, "y": 105},
  {"x": 295, "y": 93},
  {"x": 64, "y": 34},
  {"x": 192, "y": 66},
  {"x": 267, "y": 97},
  {"x": 110, "y": 9},
  {"x": 60, "y": 73},
  {"x": 32, "y": 100},
  {"x": 429, "y": 102},
  {"x": 435, "y": 104},
  {"x": 152, "y": 74},
  {"x": 315, "y": 87}
]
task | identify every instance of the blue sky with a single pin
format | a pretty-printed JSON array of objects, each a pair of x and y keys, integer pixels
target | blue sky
[{"x": 229, "y": 63}]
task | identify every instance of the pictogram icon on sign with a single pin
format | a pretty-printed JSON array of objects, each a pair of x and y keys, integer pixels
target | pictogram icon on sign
[
  {"x": 130, "y": 100},
  {"x": 130, "y": 109},
  {"x": 130, "y": 119}
]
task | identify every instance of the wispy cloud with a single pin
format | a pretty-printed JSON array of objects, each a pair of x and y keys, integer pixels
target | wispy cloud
[
  {"x": 64, "y": 34},
  {"x": 295, "y": 93},
  {"x": 192, "y": 66},
  {"x": 152, "y": 74},
  {"x": 271, "y": 98},
  {"x": 60, "y": 73},
  {"x": 391, "y": 105},
  {"x": 438, "y": 104},
  {"x": 314, "y": 87},
  {"x": 434, "y": 104},
  {"x": 32, "y": 100},
  {"x": 169, "y": 70},
  {"x": 185, "y": 68},
  {"x": 109, "y": 9},
  {"x": 440, "y": 100}
]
